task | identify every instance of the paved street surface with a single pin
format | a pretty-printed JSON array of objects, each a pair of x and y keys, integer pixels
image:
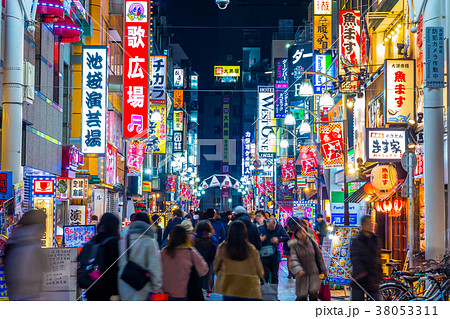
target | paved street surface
[{"x": 286, "y": 288}]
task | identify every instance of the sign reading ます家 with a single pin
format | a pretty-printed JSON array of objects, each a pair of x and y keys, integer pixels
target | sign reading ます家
[
  {"x": 385, "y": 144},
  {"x": 399, "y": 90}
]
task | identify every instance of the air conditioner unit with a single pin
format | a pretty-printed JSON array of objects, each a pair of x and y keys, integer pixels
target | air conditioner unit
[{"x": 28, "y": 83}]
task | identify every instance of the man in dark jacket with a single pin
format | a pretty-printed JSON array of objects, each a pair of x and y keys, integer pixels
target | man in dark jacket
[
  {"x": 272, "y": 235},
  {"x": 240, "y": 213},
  {"x": 320, "y": 227},
  {"x": 219, "y": 230},
  {"x": 178, "y": 218},
  {"x": 365, "y": 255}
]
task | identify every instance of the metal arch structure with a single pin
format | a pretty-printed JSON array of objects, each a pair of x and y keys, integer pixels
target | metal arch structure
[{"x": 221, "y": 178}]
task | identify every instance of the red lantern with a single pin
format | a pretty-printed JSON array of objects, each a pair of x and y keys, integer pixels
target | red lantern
[
  {"x": 398, "y": 204},
  {"x": 369, "y": 189},
  {"x": 378, "y": 207},
  {"x": 387, "y": 206}
]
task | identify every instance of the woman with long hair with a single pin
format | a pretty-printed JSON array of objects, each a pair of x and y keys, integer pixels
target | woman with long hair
[
  {"x": 206, "y": 244},
  {"x": 238, "y": 266},
  {"x": 178, "y": 258},
  {"x": 306, "y": 264}
]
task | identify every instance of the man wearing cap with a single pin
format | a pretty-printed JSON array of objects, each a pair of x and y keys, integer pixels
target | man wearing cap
[{"x": 252, "y": 231}]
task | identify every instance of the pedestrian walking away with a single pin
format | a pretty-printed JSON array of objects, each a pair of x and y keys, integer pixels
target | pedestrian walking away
[
  {"x": 320, "y": 227},
  {"x": 219, "y": 229},
  {"x": 252, "y": 230},
  {"x": 178, "y": 218},
  {"x": 206, "y": 244}
]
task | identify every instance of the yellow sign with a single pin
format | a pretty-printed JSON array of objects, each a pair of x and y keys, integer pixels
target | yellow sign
[
  {"x": 178, "y": 99},
  {"x": 322, "y": 32},
  {"x": 178, "y": 120},
  {"x": 227, "y": 70},
  {"x": 46, "y": 204},
  {"x": 146, "y": 186},
  {"x": 157, "y": 130}
]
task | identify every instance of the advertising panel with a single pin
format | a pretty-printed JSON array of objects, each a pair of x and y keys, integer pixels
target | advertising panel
[
  {"x": 281, "y": 87},
  {"x": 111, "y": 164},
  {"x": 322, "y": 32},
  {"x": 266, "y": 121},
  {"x": 77, "y": 215},
  {"x": 157, "y": 88},
  {"x": 300, "y": 59},
  {"x": 349, "y": 49},
  {"x": 308, "y": 160},
  {"x": 157, "y": 131},
  {"x": 178, "y": 78},
  {"x": 77, "y": 236},
  {"x": 332, "y": 141},
  {"x": 385, "y": 144}
]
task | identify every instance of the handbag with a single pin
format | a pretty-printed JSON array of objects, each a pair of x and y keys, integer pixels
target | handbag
[
  {"x": 267, "y": 251},
  {"x": 133, "y": 274},
  {"x": 159, "y": 297},
  {"x": 269, "y": 292},
  {"x": 194, "y": 289},
  {"x": 325, "y": 291}
]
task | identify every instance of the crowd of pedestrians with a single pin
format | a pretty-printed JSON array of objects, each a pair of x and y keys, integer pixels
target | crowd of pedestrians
[{"x": 233, "y": 254}]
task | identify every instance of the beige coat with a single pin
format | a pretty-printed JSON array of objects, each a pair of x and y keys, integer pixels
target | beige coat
[
  {"x": 303, "y": 258},
  {"x": 238, "y": 278}
]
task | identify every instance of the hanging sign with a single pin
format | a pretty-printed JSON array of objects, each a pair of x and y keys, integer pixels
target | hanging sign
[
  {"x": 178, "y": 120},
  {"x": 177, "y": 142},
  {"x": 308, "y": 160},
  {"x": 178, "y": 99},
  {"x": 323, "y": 6},
  {"x": 332, "y": 141},
  {"x": 178, "y": 78},
  {"x": 94, "y": 97},
  {"x": 227, "y": 70},
  {"x": 399, "y": 90},
  {"x": 77, "y": 215},
  {"x": 383, "y": 177},
  {"x": 322, "y": 62},
  {"x": 225, "y": 134},
  {"x": 304, "y": 208},
  {"x": 385, "y": 144},
  {"x": 349, "y": 49},
  {"x": 157, "y": 131},
  {"x": 266, "y": 121},
  {"x": 171, "y": 183},
  {"x": 79, "y": 188},
  {"x": 135, "y": 155},
  {"x": 6, "y": 185},
  {"x": 268, "y": 185},
  {"x": 111, "y": 164},
  {"x": 287, "y": 169},
  {"x": 300, "y": 57},
  {"x": 434, "y": 55},
  {"x": 157, "y": 88},
  {"x": 322, "y": 32},
  {"x": 246, "y": 153},
  {"x": 281, "y": 87},
  {"x": 44, "y": 186},
  {"x": 136, "y": 63}
]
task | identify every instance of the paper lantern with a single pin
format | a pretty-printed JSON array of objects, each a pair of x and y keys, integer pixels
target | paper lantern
[
  {"x": 383, "y": 177},
  {"x": 369, "y": 189},
  {"x": 398, "y": 204},
  {"x": 387, "y": 206}
]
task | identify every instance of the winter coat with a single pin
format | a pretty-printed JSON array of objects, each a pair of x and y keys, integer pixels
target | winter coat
[
  {"x": 278, "y": 232},
  {"x": 24, "y": 263},
  {"x": 322, "y": 229},
  {"x": 158, "y": 235},
  {"x": 207, "y": 247},
  {"x": 170, "y": 226},
  {"x": 365, "y": 255},
  {"x": 252, "y": 230},
  {"x": 144, "y": 252},
  {"x": 238, "y": 278},
  {"x": 177, "y": 269},
  {"x": 219, "y": 230},
  {"x": 306, "y": 256}
]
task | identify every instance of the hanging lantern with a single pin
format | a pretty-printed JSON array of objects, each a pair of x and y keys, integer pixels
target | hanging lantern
[
  {"x": 387, "y": 206},
  {"x": 383, "y": 177},
  {"x": 51, "y": 11},
  {"x": 398, "y": 205},
  {"x": 378, "y": 207},
  {"x": 369, "y": 189}
]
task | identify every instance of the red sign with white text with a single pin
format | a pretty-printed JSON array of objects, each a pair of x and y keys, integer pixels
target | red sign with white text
[
  {"x": 332, "y": 141},
  {"x": 308, "y": 160},
  {"x": 135, "y": 156},
  {"x": 171, "y": 183},
  {"x": 135, "y": 77},
  {"x": 349, "y": 49},
  {"x": 287, "y": 169}
]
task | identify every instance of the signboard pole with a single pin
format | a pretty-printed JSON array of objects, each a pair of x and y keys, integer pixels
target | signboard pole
[
  {"x": 125, "y": 177},
  {"x": 346, "y": 209},
  {"x": 411, "y": 207}
]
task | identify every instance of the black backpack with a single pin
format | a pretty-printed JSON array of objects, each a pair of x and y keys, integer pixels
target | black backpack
[{"x": 91, "y": 263}]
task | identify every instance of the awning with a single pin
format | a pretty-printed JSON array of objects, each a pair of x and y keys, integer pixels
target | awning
[
  {"x": 360, "y": 194},
  {"x": 51, "y": 10},
  {"x": 68, "y": 30}
]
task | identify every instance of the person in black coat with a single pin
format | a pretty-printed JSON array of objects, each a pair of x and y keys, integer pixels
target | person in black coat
[
  {"x": 219, "y": 229},
  {"x": 178, "y": 218},
  {"x": 252, "y": 231},
  {"x": 272, "y": 235},
  {"x": 157, "y": 228},
  {"x": 106, "y": 286},
  {"x": 365, "y": 255},
  {"x": 320, "y": 228}
]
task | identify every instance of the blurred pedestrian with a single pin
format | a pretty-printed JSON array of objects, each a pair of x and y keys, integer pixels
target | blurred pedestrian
[
  {"x": 177, "y": 260},
  {"x": 187, "y": 224},
  {"x": 320, "y": 227},
  {"x": 306, "y": 264},
  {"x": 24, "y": 261},
  {"x": 206, "y": 244},
  {"x": 252, "y": 230},
  {"x": 141, "y": 247},
  {"x": 272, "y": 235},
  {"x": 108, "y": 236},
  {"x": 126, "y": 228},
  {"x": 219, "y": 229},
  {"x": 94, "y": 220},
  {"x": 238, "y": 266},
  {"x": 196, "y": 218},
  {"x": 177, "y": 219},
  {"x": 365, "y": 255},
  {"x": 157, "y": 229},
  {"x": 251, "y": 216},
  {"x": 226, "y": 219},
  {"x": 305, "y": 223}
]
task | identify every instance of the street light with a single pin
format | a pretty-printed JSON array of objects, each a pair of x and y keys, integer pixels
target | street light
[
  {"x": 289, "y": 119},
  {"x": 156, "y": 116},
  {"x": 326, "y": 100},
  {"x": 305, "y": 128},
  {"x": 306, "y": 88},
  {"x": 284, "y": 143}
]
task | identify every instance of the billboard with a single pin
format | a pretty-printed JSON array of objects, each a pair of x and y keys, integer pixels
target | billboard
[
  {"x": 266, "y": 121},
  {"x": 157, "y": 88},
  {"x": 281, "y": 87},
  {"x": 300, "y": 59}
]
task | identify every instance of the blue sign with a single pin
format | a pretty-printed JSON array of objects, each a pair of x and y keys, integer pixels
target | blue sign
[
  {"x": 338, "y": 218},
  {"x": 6, "y": 185},
  {"x": 3, "y": 289}
]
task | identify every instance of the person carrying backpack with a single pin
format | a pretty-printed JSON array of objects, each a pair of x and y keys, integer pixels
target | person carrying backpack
[{"x": 97, "y": 272}]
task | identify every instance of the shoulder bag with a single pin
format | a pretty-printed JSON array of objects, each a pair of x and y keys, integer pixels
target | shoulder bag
[{"x": 133, "y": 274}]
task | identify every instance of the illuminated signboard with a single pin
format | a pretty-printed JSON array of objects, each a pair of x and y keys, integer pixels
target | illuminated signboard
[
  {"x": 227, "y": 70},
  {"x": 157, "y": 88}
]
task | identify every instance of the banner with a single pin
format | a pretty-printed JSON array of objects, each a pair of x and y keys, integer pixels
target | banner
[
  {"x": 260, "y": 186},
  {"x": 281, "y": 87},
  {"x": 136, "y": 76},
  {"x": 94, "y": 97},
  {"x": 157, "y": 131},
  {"x": 332, "y": 141},
  {"x": 204, "y": 185},
  {"x": 300, "y": 59},
  {"x": 287, "y": 169},
  {"x": 157, "y": 88},
  {"x": 111, "y": 165},
  {"x": 178, "y": 78},
  {"x": 214, "y": 182},
  {"x": 171, "y": 183},
  {"x": 178, "y": 99},
  {"x": 226, "y": 182},
  {"x": 77, "y": 215},
  {"x": 225, "y": 134},
  {"x": 266, "y": 121},
  {"x": 399, "y": 90},
  {"x": 135, "y": 155},
  {"x": 349, "y": 49},
  {"x": 246, "y": 153},
  {"x": 268, "y": 186},
  {"x": 178, "y": 120},
  {"x": 322, "y": 32},
  {"x": 308, "y": 160}
]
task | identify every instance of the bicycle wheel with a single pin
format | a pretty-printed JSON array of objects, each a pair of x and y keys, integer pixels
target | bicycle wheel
[{"x": 395, "y": 292}]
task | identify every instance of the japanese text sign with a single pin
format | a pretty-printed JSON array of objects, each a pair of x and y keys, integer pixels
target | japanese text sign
[
  {"x": 287, "y": 169},
  {"x": 268, "y": 185},
  {"x": 304, "y": 208},
  {"x": 77, "y": 215},
  {"x": 77, "y": 236},
  {"x": 300, "y": 59},
  {"x": 6, "y": 185},
  {"x": 322, "y": 32},
  {"x": 225, "y": 130},
  {"x": 434, "y": 55},
  {"x": 246, "y": 153},
  {"x": 227, "y": 70},
  {"x": 157, "y": 131},
  {"x": 385, "y": 144},
  {"x": 178, "y": 120},
  {"x": 171, "y": 183},
  {"x": 399, "y": 90},
  {"x": 94, "y": 97},
  {"x": 111, "y": 164},
  {"x": 178, "y": 99},
  {"x": 308, "y": 160},
  {"x": 281, "y": 87},
  {"x": 322, "y": 63},
  {"x": 135, "y": 155},
  {"x": 349, "y": 48},
  {"x": 79, "y": 188},
  {"x": 135, "y": 79},
  {"x": 178, "y": 142},
  {"x": 332, "y": 141},
  {"x": 266, "y": 121},
  {"x": 323, "y": 6},
  {"x": 178, "y": 78},
  {"x": 157, "y": 72}
]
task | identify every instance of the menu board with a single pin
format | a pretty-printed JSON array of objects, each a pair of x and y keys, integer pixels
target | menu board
[
  {"x": 340, "y": 266},
  {"x": 60, "y": 277},
  {"x": 326, "y": 250},
  {"x": 77, "y": 236}
]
